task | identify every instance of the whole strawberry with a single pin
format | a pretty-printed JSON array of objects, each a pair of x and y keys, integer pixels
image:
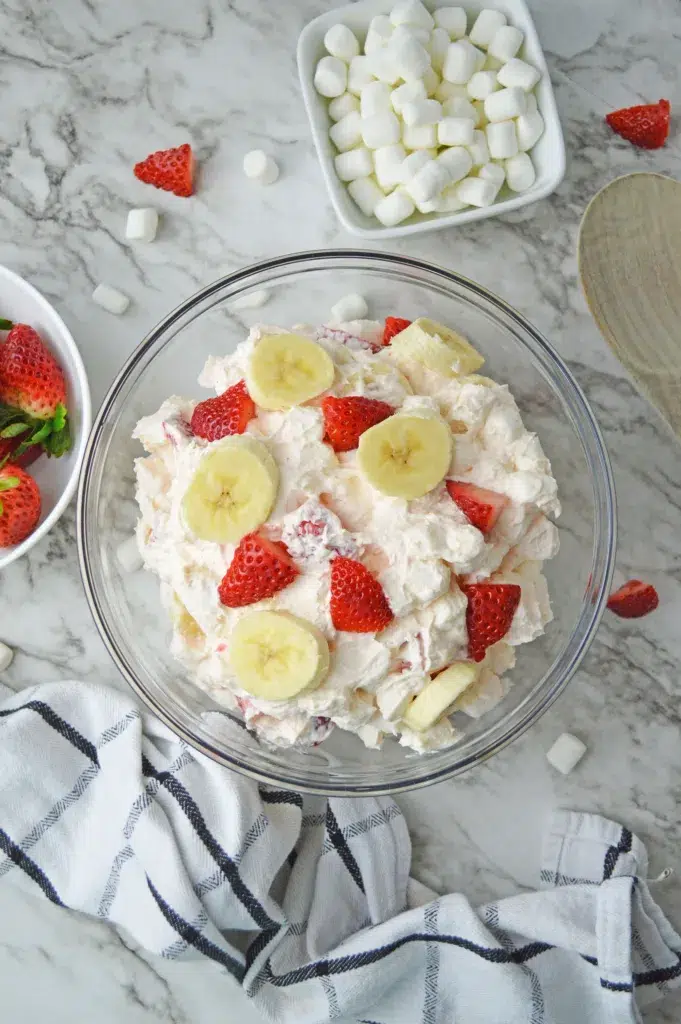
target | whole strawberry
[
  {"x": 19, "y": 505},
  {"x": 229, "y": 413},
  {"x": 169, "y": 169}
]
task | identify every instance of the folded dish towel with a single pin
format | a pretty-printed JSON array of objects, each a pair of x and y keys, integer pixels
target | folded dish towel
[{"x": 303, "y": 900}]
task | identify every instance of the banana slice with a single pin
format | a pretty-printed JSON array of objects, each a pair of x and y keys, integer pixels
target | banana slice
[
  {"x": 406, "y": 456},
  {"x": 232, "y": 492},
  {"x": 439, "y": 694},
  {"x": 286, "y": 370},
  {"x": 485, "y": 382},
  {"x": 435, "y": 347},
  {"x": 276, "y": 656}
]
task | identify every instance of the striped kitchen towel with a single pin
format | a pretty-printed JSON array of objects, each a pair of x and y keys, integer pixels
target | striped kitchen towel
[{"x": 305, "y": 901}]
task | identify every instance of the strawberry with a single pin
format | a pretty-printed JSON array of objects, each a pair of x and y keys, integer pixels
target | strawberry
[
  {"x": 10, "y": 445},
  {"x": 346, "y": 419},
  {"x": 490, "y": 611},
  {"x": 393, "y": 326},
  {"x": 481, "y": 507},
  {"x": 633, "y": 600},
  {"x": 169, "y": 169},
  {"x": 19, "y": 505},
  {"x": 229, "y": 413},
  {"x": 358, "y": 604},
  {"x": 259, "y": 569},
  {"x": 646, "y": 125}
]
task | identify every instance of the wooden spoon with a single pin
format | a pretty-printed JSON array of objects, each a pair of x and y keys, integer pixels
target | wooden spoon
[{"x": 629, "y": 253}]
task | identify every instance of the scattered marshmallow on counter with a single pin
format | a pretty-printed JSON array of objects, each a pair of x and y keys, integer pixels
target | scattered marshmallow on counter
[
  {"x": 110, "y": 299},
  {"x": 141, "y": 225},
  {"x": 6, "y": 656},
  {"x": 350, "y": 307},
  {"x": 260, "y": 167},
  {"x": 252, "y": 300},
  {"x": 566, "y": 753},
  {"x": 128, "y": 555}
]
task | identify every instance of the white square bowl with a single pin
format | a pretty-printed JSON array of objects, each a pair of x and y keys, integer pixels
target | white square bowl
[{"x": 548, "y": 155}]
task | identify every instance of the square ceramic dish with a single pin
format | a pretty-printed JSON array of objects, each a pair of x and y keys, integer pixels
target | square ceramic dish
[{"x": 548, "y": 155}]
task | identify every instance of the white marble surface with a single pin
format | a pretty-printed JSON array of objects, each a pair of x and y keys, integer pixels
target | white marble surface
[{"x": 86, "y": 89}]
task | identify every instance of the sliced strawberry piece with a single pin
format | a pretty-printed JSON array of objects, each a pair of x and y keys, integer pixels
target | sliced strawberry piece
[
  {"x": 481, "y": 507},
  {"x": 19, "y": 505},
  {"x": 394, "y": 325},
  {"x": 358, "y": 604},
  {"x": 346, "y": 419},
  {"x": 633, "y": 600},
  {"x": 169, "y": 169},
  {"x": 646, "y": 125},
  {"x": 229, "y": 413},
  {"x": 490, "y": 611},
  {"x": 259, "y": 569}
]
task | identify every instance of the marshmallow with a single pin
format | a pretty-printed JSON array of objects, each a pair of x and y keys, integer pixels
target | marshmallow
[
  {"x": 476, "y": 192},
  {"x": 375, "y": 99},
  {"x": 421, "y": 112},
  {"x": 411, "y": 58},
  {"x": 505, "y": 43},
  {"x": 404, "y": 32},
  {"x": 482, "y": 85},
  {"x": 128, "y": 555},
  {"x": 384, "y": 66},
  {"x": 360, "y": 73},
  {"x": 347, "y": 133},
  {"x": 505, "y": 104},
  {"x": 260, "y": 167},
  {"x": 251, "y": 300},
  {"x": 457, "y": 162},
  {"x": 437, "y": 47},
  {"x": 141, "y": 225},
  {"x": 479, "y": 108},
  {"x": 461, "y": 62},
  {"x": 380, "y": 130},
  {"x": 478, "y": 149},
  {"x": 530, "y": 127},
  {"x": 520, "y": 174},
  {"x": 502, "y": 140},
  {"x": 460, "y": 107},
  {"x": 518, "y": 73},
  {"x": 455, "y": 131},
  {"x": 429, "y": 182},
  {"x": 431, "y": 80},
  {"x": 452, "y": 19},
  {"x": 494, "y": 173},
  {"x": 356, "y": 163},
  {"x": 447, "y": 91},
  {"x": 110, "y": 299},
  {"x": 428, "y": 207},
  {"x": 394, "y": 208},
  {"x": 366, "y": 194},
  {"x": 411, "y": 12},
  {"x": 412, "y": 164},
  {"x": 532, "y": 107},
  {"x": 341, "y": 42},
  {"x": 6, "y": 657},
  {"x": 486, "y": 26},
  {"x": 407, "y": 93},
  {"x": 419, "y": 136},
  {"x": 350, "y": 307},
  {"x": 378, "y": 34},
  {"x": 331, "y": 77},
  {"x": 343, "y": 105},
  {"x": 388, "y": 162},
  {"x": 449, "y": 202},
  {"x": 566, "y": 753}
]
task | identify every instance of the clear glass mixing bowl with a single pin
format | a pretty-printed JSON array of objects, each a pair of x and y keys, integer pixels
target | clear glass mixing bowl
[{"x": 303, "y": 287}]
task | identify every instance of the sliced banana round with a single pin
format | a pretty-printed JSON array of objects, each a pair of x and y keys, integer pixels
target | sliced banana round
[
  {"x": 436, "y": 347},
  {"x": 287, "y": 370},
  {"x": 232, "y": 492},
  {"x": 439, "y": 694},
  {"x": 406, "y": 456},
  {"x": 276, "y": 656}
]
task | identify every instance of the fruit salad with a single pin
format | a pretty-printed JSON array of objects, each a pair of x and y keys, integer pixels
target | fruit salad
[{"x": 351, "y": 533}]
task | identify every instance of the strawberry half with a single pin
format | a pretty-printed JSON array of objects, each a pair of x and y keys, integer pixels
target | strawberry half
[
  {"x": 394, "y": 325},
  {"x": 481, "y": 507},
  {"x": 346, "y": 419},
  {"x": 169, "y": 169},
  {"x": 19, "y": 505},
  {"x": 229, "y": 413},
  {"x": 633, "y": 600},
  {"x": 259, "y": 569},
  {"x": 490, "y": 611},
  {"x": 646, "y": 125},
  {"x": 358, "y": 604}
]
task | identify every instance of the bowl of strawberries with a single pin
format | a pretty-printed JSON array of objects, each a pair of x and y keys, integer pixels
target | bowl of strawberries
[{"x": 45, "y": 416}]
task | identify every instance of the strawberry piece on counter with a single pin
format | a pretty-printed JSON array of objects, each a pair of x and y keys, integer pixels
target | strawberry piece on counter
[
  {"x": 259, "y": 569},
  {"x": 481, "y": 507},
  {"x": 169, "y": 169},
  {"x": 633, "y": 600},
  {"x": 19, "y": 505},
  {"x": 491, "y": 607},
  {"x": 646, "y": 125},
  {"x": 394, "y": 325},
  {"x": 229, "y": 413},
  {"x": 358, "y": 604},
  {"x": 346, "y": 419}
]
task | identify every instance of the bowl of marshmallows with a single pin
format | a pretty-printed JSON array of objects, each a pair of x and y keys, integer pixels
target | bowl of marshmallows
[{"x": 427, "y": 117}]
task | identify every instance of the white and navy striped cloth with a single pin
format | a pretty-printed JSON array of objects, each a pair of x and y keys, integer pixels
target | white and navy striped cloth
[{"x": 304, "y": 901}]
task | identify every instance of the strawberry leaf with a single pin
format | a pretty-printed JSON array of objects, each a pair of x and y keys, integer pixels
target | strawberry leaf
[
  {"x": 59, "y": 442},
  {"x": 59, "y": 418},
  {"x": 14, "y": 429},
  {"x": 6, "y": 325},
  {"x": 42, "y": 433}
]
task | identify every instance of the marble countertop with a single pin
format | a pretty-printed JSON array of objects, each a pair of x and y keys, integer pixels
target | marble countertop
[{"x": 86, "y": 89}]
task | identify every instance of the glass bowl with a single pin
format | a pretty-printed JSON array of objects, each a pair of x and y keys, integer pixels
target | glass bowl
[{"x": 303, "y": 287}]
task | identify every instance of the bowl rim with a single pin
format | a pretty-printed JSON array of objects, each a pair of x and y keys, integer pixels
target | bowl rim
[{"x": 592, "y": 609}]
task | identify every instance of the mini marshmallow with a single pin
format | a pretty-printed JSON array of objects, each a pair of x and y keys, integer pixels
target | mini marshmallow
[
  {"x": 360, "y": 73},
  {"x": 6, "y": 656},
  {"x": 411, "y": 12},
  {"x": 260, "y": 167},
  {"x": 479, "y": 149},
  {"x": 494, "y": 173},
  {"x": 460, "y": 107},
  {"x": 128, "y": 555},
  {"x": 341, "y": 42},
  {"x": 437, "y": 47},
  {"x": 404, "y": 32},
  {"x": 394, "y": 208},
  {"x": 380, "y": 130},
  {"x": 356, "y": 163},
  {"x": 350, "y": 307},
  {"x": 430, "y": 206},
  {"x": 479, "y": 108},
  {"x": 343, "y": 105},
  {"x": 141, "y": 225},
  {"x": 347, "y": 133},
  {"x": 455, "y": 131},
  {"x": 384, "y": 66},
  {"x": 447, "y": 91},
  {"x": 379, "y": 33},
  {"x": 331, "y": 77},
  {"x": 482, "y": 85},
  {"x": 566, "y": 753},
  {"x": 449, "y": 202},
  {"x": 505, "y": 43},
  {"x": 461, "y": 62},
  {"x": 412, "y": 164},
  {"x": 419, "y": 136},
  {"x": 110, "y": 299},
  {"x": 429, "y": 182},
  {"x": 388, "y": 162},
  {"x": 452, "y": 19},
  {"x": 492, "y": 64},
  {"x": 530, "y": 128},
  {"x": 520, "y": 173},
  {"x": 375, "y": 98},
  {"x": 410, "y": 92},
  {"x": 476, "y": 192},
  {"x": 505, "y": 104},
  {"x": 532, "y": 107},
  {"x": 457, "y": 162},
  {"x": 251, "y": 300},
  {"x": 486, "y": 26},
  {"x": 518, "y": 73},
  {"x": 421, "y": 112},
  {"x": 502, "y": 140},
  {"x": 431, "y": 80},
  {"x": 366, "y": 194},
  {"x": 411, "y": 58}
]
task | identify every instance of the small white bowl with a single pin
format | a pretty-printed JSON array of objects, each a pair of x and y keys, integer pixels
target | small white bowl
[
  {"x": 548, "y": 155},
  {"x": 57, "y": 478}
]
